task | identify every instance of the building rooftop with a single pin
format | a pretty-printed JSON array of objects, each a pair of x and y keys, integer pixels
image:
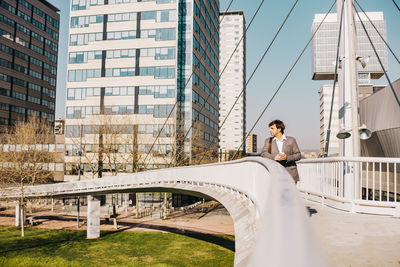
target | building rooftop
[
  {"x": 332, "y": 17},
  {"x": 49, "y": 5},
  {"x": 238, "y": 12}
]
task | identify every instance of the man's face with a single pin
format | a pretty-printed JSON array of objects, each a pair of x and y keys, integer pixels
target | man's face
[{"x": 273, "y": 130}]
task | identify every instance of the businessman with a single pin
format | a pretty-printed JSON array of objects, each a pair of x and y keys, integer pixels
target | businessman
[{"x": 282, "y": 148}]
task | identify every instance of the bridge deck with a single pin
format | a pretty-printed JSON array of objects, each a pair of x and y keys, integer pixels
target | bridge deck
[{"x": 356, "y": 239}]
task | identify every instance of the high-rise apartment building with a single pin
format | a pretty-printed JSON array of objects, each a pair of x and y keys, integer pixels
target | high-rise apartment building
[
  {"x": 130, "y": 66},
  {"x": 324, "y": 46},
  {"x": 28, "y": 60},
  {"x": 232, "y": 81}
]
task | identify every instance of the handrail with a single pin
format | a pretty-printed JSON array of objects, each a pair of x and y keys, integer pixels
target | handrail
[
  {"x": 352, "y": 159},
  {"x": 258, "y": 193}
]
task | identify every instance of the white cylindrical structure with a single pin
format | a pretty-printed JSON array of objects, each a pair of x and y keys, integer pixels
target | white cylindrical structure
[
  {"x": 348, "y": 94},
  {"x": 93, "y": 217}
]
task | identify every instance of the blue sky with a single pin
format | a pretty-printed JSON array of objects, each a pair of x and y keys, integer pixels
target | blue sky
[{"x": 297, "y": 103}]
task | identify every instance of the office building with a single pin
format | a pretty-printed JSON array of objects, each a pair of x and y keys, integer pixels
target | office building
[
  {"x": 325, "y": 100},
  {"x": 28, "y": 60},
  {"x": 324, "y": 46},
  {"x": 251, "y": 143},
  {"x": 232, "y": 81},
  {"x": 130, "y": 66},
  {"x": 59, "y": 126},
  {"x": 324, "y": 49}
]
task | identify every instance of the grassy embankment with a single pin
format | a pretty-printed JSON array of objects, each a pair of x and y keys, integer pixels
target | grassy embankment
[{"x": 41, "y": 247}]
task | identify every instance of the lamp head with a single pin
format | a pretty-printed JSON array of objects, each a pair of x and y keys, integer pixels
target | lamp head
[
  {"x": 339, "y": 63},
  {"x": 364, "y": 132},
  {"x": 343, "y": 134},
  {"x": 363, "y": 61}
]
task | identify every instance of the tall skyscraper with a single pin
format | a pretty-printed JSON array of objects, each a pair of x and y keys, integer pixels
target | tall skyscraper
[
  {"x": 129, "y": 62},
  {"x": 232, "y": 81},
  {"x": 28, "y": 60},
  {"x": 324, "y": 57}
]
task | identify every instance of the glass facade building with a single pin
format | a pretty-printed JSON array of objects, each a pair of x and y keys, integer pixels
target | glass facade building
[
  {"x": 136, "y": 67},
  {"x": 28, "y": 60},
  {"x": 325, "y": 41}
]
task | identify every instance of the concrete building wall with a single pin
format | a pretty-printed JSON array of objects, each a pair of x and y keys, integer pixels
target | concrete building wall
[{"x": 232, "y": 81}]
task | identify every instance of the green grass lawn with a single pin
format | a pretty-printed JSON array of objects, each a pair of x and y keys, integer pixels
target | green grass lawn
[{"x": 41, "y": 247}]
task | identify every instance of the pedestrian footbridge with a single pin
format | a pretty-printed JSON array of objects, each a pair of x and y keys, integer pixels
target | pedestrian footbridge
[{"x": 270, "y": 221}]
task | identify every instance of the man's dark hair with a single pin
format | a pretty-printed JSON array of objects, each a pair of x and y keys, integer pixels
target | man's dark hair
[{"x": 279, "y": 125}]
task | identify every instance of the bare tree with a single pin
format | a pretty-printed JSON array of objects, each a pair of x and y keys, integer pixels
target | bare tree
[
  {"x": 206, "y": 151},
  {"x": 26, "y": 158},
  {"x": 83, "y": 140},
  {"x": 113, "y": 143}
]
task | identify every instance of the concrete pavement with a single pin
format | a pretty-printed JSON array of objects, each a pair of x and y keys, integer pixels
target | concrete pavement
[{"x": 349, "y": 239}]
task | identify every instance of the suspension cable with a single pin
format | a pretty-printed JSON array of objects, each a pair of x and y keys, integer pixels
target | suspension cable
[
  {"x": 383, "y": 39},
  {"x": 226, "y": 65},
  {"x": 328, "y": 132},
  {"x": 398, "y": 8},
  {"x": 379, "y": 59},
  {"x": 255, "y": 69},
  {"x": 188, "y": 80},
  {"x": 284, "y": 80}
]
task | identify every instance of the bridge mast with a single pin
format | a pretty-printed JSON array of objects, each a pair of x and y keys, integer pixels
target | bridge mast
[{"x": 348, "y": 94}]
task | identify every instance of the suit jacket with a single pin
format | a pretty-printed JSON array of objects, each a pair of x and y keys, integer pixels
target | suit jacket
[{"x": 291, "y": 150}]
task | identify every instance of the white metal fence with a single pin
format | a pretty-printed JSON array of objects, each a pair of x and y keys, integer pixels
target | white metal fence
[{"x": 357, "y": 184}]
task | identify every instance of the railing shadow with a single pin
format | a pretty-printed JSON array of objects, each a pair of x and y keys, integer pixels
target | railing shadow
[{"x": 217, "y": 240}]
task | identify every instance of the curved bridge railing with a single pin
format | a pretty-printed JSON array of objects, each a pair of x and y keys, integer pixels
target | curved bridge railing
[{"x": 269, "y": 217}]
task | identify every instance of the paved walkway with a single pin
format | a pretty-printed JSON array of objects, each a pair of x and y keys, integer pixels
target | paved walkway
[
  {"x": 214, "y": 219},
  {"x": 349, "y": 239}
]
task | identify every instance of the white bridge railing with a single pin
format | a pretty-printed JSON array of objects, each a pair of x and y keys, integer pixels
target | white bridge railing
[
  {"x": 356, "y": 184},
  {"x": 269, "y": 217}
]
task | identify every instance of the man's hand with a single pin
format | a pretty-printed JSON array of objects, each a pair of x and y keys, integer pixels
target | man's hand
[{"x": 281, "y": 157}]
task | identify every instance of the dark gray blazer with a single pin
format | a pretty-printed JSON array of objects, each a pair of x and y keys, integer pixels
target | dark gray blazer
[{"x": 291, "y": 150}]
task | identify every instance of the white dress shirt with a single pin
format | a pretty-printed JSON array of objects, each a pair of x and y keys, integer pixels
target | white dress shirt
[{"x": 279, "y": 143}]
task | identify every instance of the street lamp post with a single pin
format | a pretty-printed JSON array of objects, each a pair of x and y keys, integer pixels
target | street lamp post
[{"x": 79, "y": 172}]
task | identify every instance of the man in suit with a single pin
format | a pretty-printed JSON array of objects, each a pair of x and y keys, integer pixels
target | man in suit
[{"x": 282, "y": 148}]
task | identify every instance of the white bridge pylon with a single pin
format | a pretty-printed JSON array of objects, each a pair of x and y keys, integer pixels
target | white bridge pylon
[{"x": 270, "y": 220}]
